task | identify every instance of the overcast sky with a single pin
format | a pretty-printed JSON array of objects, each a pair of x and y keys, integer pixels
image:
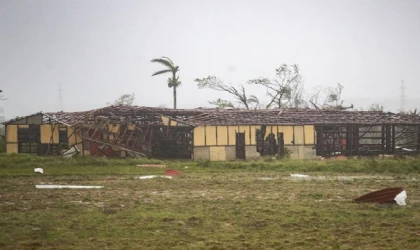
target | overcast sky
[{"x": 99, "y": 49}]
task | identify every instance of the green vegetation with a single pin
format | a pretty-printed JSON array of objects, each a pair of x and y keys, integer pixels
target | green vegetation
[{"x": 214, "y": 205}]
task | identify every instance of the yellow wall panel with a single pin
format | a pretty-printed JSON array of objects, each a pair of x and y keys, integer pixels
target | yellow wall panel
[
  {"x": 115, "y": 129},
  {"x": 245, "y": 129},
  {"x": 287, "y": 134},
  {"x": 222, "y": 135},
  {"x": 24, "y": 126},
  {"x": 165, "y": 120},
  {"x": 211, "y": 136},
  {"x": 253, "y": 134},
  {"x": 75, "y": 139},
  {"x": 309, "y": 134},
  {"x": 72, "y": 136},
  {"x": 46, "y": 133},
  {"x": 131, "y": 127},
  {"x": 232, "y": 134},
  {"x": 12, "y": 135},
  {"x": 56, "y": 132},
  {"x": 298, "y": 135},
  {"x": 12, "y": 148},
  {"x": 267, "y": 132},
  {"x": 199, "y": 138}
]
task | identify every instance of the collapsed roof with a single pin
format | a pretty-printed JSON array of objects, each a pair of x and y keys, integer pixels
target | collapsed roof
[{"x": 213, "y": 116}]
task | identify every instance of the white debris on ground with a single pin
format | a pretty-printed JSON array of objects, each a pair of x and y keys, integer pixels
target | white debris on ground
[
  {"x": 153, "y": 176},
  {"x": 151, "y": 165},
  {"x": 300, "y": 176},
  {"x": 39, "y": 170},
  {"x": 71, "y": 152},
  {"x": 400, "y": 198},
  {"x": 266, "y": 178},
  {"x": 65, "y": 186}
]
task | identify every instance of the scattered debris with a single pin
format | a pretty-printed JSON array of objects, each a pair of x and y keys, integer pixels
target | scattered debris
[
  {"x": 172, "y": 172},
  {"x": 39, "y": 170},
  {"x": 72, "y": 151},
  {"x": 65, "y": 186},
  {"x": 111, "y": 179},
  {"x": 400, "y": 198},
  {"x": 151, "y": 165},
  {"x": 154, "y": 176},
  {"x": 387, "y": 195},
  {"x": 403, "y": 149},
  {"x": 266, "y": 178},
  {"x": 300, "y": 176}
]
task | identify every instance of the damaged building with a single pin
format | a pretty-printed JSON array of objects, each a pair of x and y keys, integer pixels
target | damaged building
[{"x": 214, "y": 134}]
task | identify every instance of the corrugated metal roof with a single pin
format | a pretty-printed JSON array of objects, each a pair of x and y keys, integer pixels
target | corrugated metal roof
[
  {"x": 21, "y": 117},
  {"x": 296, "y": 116},
  {"x": 212, "y": 116}
]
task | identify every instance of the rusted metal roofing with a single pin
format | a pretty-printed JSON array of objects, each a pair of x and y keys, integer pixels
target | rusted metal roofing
[
  {"x": 20, "y": 118},
  {"x": 386, "y": 195},
  {"x": 296, "y": 117},
  {"x": 212, "y": 116}
]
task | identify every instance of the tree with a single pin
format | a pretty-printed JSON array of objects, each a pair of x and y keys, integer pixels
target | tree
[
  {"x": 125, "y": 99},
  {"x": 376, "y": 107},
  {"x": 239, "y": 93},
  {"x": 328, "y": 98},
  {"x": 1, "y": 99},
  {"x": 286, "y": 90},
  {"x": 173, "y": 82},
  {"x": 1, "y": 96},
  {"x": 414, "y": 112}
]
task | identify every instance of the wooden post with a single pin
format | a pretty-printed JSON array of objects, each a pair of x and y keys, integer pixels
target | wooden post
[
  {"x": 393, "y": 139},
  {"x": 388, "y": 139},
  {"x": 357, "y": 139},
  {"x": 320, "y": 142},
  {"x": 383, "y": 140}
]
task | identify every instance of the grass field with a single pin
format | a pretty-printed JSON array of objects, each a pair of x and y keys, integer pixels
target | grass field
[{"x": 225, "y": 205}]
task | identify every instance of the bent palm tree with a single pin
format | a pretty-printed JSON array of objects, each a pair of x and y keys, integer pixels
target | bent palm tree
[{"x": 173, "y": 82}]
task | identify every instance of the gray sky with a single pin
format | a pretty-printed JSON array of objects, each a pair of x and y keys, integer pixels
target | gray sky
[{"x": 99, "y": 49}]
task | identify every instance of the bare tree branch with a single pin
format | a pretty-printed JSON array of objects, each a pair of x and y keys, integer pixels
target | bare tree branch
[
  {"x": 215, "y": 83},
  {"x": 286, "y": 90},
  {"x": 222, "y": 103}
]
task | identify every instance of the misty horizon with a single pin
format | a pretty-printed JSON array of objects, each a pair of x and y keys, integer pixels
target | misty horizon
[{"x": 99, "y": 50}]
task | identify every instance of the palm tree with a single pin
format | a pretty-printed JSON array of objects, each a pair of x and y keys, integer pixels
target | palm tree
[{"x": 173, "y": 82}]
